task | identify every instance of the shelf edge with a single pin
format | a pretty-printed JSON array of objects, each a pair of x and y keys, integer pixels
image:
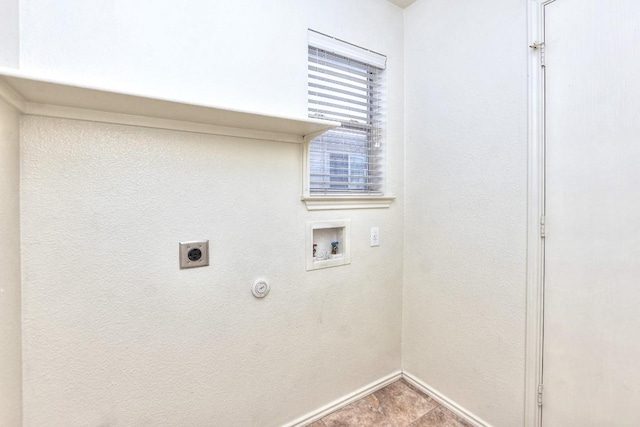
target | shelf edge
[
  {"x": 23, "y": 92},
  {"x": 57, "y": 111}
]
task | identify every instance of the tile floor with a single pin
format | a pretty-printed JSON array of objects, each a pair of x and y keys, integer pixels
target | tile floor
[{"x": 397, "y": 405}]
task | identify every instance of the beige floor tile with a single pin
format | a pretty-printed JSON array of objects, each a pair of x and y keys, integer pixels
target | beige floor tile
[
  {"x": 440, "y": 417},
  {"x": 402, "y": 403},
  {"x": 361, "y": 413}
]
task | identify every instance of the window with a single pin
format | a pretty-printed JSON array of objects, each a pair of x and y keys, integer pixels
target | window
[{"x": 346, "y": 85}]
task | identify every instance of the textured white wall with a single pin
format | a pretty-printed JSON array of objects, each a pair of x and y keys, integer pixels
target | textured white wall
[
  {"x": 466, "y": 169},
  {"x": 10, "y": 325},
  {"x": 114, "y": 332},
  {"x": 9, "y": 33}
]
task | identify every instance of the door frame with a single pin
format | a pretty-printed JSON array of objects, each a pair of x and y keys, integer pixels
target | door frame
[{"x": 534, "y": 338}]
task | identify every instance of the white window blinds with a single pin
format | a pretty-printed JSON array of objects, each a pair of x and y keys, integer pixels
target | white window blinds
[{"x": 346, "y": 160}]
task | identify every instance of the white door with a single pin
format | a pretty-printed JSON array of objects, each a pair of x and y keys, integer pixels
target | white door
[{"x": 591, "y": 360}]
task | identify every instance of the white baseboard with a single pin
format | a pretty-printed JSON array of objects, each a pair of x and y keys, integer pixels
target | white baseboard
[
  {"x": 345, "y": 400},
  {"x": 463, "y": 413},
  {"x": 445, "y": 401}
]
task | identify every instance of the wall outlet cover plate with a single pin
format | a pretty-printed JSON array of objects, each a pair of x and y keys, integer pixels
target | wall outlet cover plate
[
  {"x": 194, "y": 254},
  {"x": 375, "y": 236}
]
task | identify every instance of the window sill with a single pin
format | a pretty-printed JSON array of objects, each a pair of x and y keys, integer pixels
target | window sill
[{"x": 324, "y": 203}]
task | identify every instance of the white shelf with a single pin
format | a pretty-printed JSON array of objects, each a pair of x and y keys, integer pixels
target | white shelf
[{"x": 37, "y": 96}]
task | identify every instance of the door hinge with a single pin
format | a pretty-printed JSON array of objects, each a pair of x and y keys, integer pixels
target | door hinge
[
  {"x": 540, "y": 47},
  {"x": 539, "y": 394},
  {"x": 542, "y": 227}
]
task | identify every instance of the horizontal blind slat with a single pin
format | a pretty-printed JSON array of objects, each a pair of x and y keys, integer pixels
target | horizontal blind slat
[
  {"x": 344, "y": 96},
  {"x": 346, "y": 81},
  {"x": 340, "y": 63},
  {"x": 338, "y": 85},
  {"x": 315, "y": 52},
  {"x": 360, "y": 75},
  {"x": 339, "y": 116},
  {"x": 338, "y": 75},
  {"x": 349, "y": 103}
]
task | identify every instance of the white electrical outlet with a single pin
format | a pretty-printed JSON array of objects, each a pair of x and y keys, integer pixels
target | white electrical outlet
[{"x": 375, "y": 236}]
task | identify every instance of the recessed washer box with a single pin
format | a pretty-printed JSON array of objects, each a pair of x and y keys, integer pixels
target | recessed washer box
[
  {"x": 194, "y": 254},
  {"x": 331, "y": 241}
]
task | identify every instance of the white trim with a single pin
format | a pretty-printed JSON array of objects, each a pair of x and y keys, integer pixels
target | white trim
[
  {"x": 340, "y": 403},
  {"x": 306, "y": 167},
  {"x": 37, "y": 96},
  {"x": 342, "y": 48},
  {"x": 11, "y": 96},
  {"x": 325, "y": 203},
  {"x": 463, "y": 413},
  {"x": 156, "y": 123},
  {"x": 535, "y": 244}
]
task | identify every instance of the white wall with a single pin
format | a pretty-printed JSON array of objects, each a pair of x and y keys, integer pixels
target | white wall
[
  {"x": 242, "y": 54},
  {"x": 9, "y": 33},
  {"x": 10, "y": 325},
  {"x": 465, "y": 223},
  {"x": 114, "y": 332},
  {"x": 234, "y": 53}
]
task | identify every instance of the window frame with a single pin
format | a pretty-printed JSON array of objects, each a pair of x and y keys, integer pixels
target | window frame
[{"x": 352, "y": 198}]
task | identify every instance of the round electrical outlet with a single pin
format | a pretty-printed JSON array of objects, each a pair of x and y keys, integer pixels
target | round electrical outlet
[
  {"x": 260, "y": 288},
  {"x": 194, "y": 254}
]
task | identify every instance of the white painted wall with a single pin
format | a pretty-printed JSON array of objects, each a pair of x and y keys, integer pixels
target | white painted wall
[
  {"x": 242, "y": 54},
  {"x": 114, "y": 332},
  {"x": 234, "y": 53},
  {"x": 10, "y": 325},
  {"x": 465, "y": 223},
  {"x": 9, "y": 33}
]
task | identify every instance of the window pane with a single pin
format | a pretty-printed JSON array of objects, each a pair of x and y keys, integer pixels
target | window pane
[{"x": 339, "y": 171}]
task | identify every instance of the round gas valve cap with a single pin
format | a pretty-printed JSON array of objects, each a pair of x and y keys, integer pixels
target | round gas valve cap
[{"x": 260, "y": 288}]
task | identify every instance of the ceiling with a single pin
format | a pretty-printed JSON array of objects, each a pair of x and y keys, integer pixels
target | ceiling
[{"x": 402, "y": 3}]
